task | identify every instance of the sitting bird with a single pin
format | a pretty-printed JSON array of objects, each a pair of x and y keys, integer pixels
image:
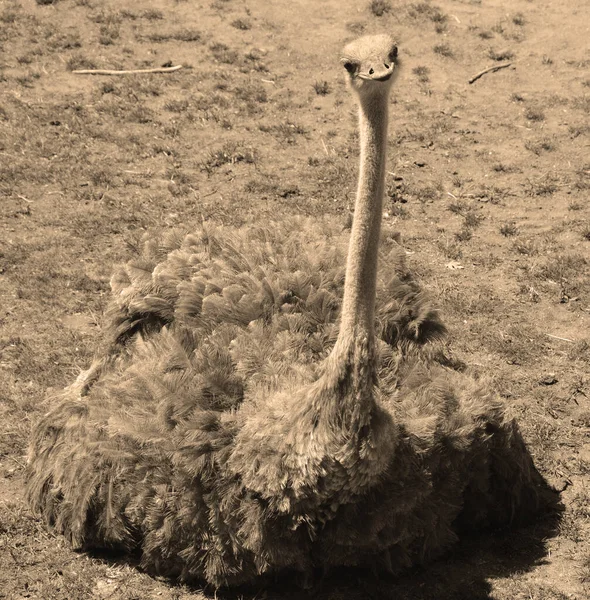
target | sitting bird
[{"x": 259, "y": 405}]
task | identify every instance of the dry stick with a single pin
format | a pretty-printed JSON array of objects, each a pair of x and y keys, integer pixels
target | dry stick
[
  {"x": 556, "y": 337},
  {"x": 489, "y": 70},
  {"x": 132, "y": 72}
]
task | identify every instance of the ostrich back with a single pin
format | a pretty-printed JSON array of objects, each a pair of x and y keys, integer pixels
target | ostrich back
[{"x": 204, "y": 329}]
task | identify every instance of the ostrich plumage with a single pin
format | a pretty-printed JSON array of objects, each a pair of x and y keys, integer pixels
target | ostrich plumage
[{"x": 258, "y": 403}]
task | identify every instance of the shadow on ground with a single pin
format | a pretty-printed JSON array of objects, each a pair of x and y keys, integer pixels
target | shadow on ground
[{"x": 466, "y": 574}]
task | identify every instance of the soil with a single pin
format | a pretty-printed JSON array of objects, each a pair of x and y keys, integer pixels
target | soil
[{"x": 488, "y": 183}]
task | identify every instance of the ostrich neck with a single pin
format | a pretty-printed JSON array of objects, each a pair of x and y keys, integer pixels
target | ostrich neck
[
  {"x": 344, "y": 397},
  {"x": 358, "y": 303}
]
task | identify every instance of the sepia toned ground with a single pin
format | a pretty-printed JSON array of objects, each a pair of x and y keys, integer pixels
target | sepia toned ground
[{"x": 488, "y": 183}]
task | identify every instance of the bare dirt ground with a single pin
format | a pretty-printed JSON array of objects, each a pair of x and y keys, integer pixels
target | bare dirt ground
[{"x": 488, "y": 183}]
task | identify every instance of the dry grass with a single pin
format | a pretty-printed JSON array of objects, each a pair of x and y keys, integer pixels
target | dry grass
[
  {"x": 380, "y": 7},
  {"x": 444, "y": 49},
  {"x": 257, "y": 126}
]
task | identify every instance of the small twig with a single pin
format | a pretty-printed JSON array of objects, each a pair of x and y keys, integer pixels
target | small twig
[
  {"x": 18, "y": 462},
  {"x": 556, "y": 337},
  {"x": 131, "y": 72},
  {"x": 489, "y": 70},
  {"x": 211, "y": 193},
  {"x": 14, "y": 558}
]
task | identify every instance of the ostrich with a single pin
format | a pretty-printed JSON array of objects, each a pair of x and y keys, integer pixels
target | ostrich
[{"x": 258, "y": 407}]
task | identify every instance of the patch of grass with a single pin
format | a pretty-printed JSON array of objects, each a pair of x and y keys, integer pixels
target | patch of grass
[
  {"x": 284, "y": 132},
  {"x": 427, "y": 10},
  {"x": 509, "y": 229},
  {"x": 252, "y": 95},
  {"x": 25, "y": 59},
  {"x": 181, "y": 35},
  {"x": 128, "y": 14},
  {"x": 80, "y": 61},
  {"x": 464, "y": 234},
  {"x": 397, "y": 209},
  {"x": 582, "y": 181},
  {"x": 560, "y": 267},
  {"x": 545, "y": 186},
  {"x": 529, "y": 293},
  {"x": 220, "y": 4},
  {"x": 379, "y": 7},
  {"x": 332, "y": 176},
  {"x": 516, "y": 97},
  {"x": 579, "y": 64},
  {"x": 177, "y": 106},
  {"x": 253, "y": 56},
  {"x": 499, "y": 28},
  {"x": 440, "y": 27},
  {"x": 223, "y": 53},
  {"x": 64, "y": 40},
  {"x": 519, "y": 19},
  {"x": 472, "y": 219},
  {"x": 503, "y": 168},
  {"x": 28, "y": 79},
  {"x": 570, "y": 527},
  {"x": 426, "y": 192},
  {"x": 229, "y": 154},
  {"x": 422, "y": 73},
  {"x": 546, "y": 60},
  {"x": 322, "y": 88},
  {"x": 107, "y": 17},
  {"x": 241, "y": 24},
  {"x": 356, "y": 27},
  {"x": 187, "y": 35},
  {"x": 486, "y": 34},
  {"x": 581, "y": 103},
  {"x": 108, "y": 88},
  {"x": 102, "y": 177},
  {"x": 534, "y": 114},
  {"x": 8, "y": 16},
  {"x": 458, "y": 207},
  {"x": 449, "y": 248},
  {"x": 271, "y": 188},
  {"x": 539, "y": 146},
  {"x": 578, "y": 129},
  {"x": 152, "y": 14},
  {"x": 444, "y": 49},
  {"x": 419, "y": 9},
  {"x": 527, "y": 247},
  {"x": 108, "y": 34},
  {"x": 500, "y": 55}
]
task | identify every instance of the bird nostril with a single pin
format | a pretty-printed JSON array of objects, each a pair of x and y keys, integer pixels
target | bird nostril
[{"x": 371, "y": 71}]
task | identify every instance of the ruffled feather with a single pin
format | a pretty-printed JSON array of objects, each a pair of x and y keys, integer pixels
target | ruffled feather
[{"x": 187, "y": 441}]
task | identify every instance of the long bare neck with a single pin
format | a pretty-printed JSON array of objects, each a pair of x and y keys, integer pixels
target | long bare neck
[
  {"x": 350, "y": 368},
  {"x": 358, "y": 304}
]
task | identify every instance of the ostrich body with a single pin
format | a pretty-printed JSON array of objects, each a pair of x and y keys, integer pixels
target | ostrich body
[{"x": 258, "y": 407}]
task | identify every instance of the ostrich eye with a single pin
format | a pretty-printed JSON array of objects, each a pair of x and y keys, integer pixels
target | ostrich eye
[
  {"x": 350, "y": 66},
  {"x": 393, "y": 54}
]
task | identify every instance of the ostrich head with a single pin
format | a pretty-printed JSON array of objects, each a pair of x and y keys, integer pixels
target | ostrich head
[{"x": 370, "y": 63}]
